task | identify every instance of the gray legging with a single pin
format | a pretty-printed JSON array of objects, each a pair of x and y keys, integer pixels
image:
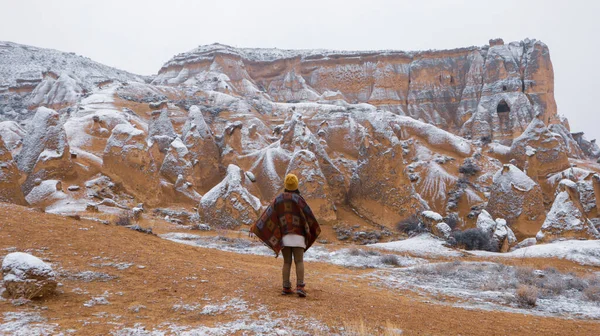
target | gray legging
[{"x": 298, "y": 253}]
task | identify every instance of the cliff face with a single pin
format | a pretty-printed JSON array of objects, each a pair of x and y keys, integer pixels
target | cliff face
[
  {"x": 376, "y": 138},
  {"x": 492, "y": 91}
]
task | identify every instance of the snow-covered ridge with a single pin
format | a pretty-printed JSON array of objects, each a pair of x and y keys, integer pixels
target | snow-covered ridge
[
  {"x": 22, "y": 64},
  {"x": 207, "y": 52}
]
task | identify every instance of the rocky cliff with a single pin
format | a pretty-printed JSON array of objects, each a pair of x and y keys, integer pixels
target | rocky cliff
[{"x": 381, "y": 135}]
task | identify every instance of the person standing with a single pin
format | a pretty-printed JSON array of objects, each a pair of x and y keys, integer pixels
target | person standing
[{"x": 289, "y": 226}]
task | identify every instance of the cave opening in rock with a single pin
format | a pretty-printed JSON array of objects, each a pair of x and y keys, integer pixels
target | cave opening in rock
[{"x": 502, "y": 107}]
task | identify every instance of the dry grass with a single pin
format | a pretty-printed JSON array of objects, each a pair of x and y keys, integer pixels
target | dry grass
[
  {"x": 526, "y": 296},
  {"x": 360, "y": 328}
]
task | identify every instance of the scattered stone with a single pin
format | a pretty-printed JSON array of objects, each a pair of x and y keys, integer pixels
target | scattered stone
[
  {"x": 73, "y": 188},
  {"x": 91, "y": 207}
]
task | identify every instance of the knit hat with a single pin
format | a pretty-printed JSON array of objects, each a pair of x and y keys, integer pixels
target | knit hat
[{"x": 291, "y": 182}]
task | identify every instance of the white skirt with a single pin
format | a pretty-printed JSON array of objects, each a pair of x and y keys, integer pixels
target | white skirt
[{"x": 293, "y": 240}]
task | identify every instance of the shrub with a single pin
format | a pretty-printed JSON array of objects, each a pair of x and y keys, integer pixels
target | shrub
[
  {"x": 124, "y": 219},
  {"x": 526, "y": 296},
  {"x": 525, "y": 275},
  {"x": 485, "y": 140},
  {"x": 390, "y": 259},
  {"x": 473, "y": 239},
  {"x": 411, "y": 225},
  {"x": 452, "y": 220},
  {"x": 469, "y": 168},
  {"x": 592, "y": 293}
]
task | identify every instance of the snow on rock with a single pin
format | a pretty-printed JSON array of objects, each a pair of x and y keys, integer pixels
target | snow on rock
[
  {"x": 525, "y": 243},
  {"x": 584, "y": 252},
  {"x": 12, "y": 134},
  {"x": 10, "y": 177},
  {"x": 127, "y": 160},
  {"x": 161, "y": 131},
  {"x": 424, "y": 245},
  {"x": 312, "y": 184},
  {"x": 486, "y": 223},
  {"x": 18, "y": 62},
  {"x": 434, "y": 136},
  {"x": 45, "y": 153},
  {"x": 503, "y": 236},
  {"x": 516, "y": 198},
  {"x": 566, "y": 218},
  {"x": 229, "y": 203},
  {"x": 51, "y": 91},
  {"x": 430, "y": 219},
  {"x": 203, "y": 150},
  {"x": 46, "y": 193},
  {"x": 550, "y": 150},
  {"x": 442, "y": 230},
  {"x": 26, "y": 276}
]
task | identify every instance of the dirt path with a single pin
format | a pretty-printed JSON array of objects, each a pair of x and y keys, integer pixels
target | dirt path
[{"x": 163, "y": 274}]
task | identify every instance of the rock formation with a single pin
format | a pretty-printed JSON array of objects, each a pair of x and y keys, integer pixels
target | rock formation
[
  {"x": 128, "y": 161},
  {"x": 10, "y": 177},
  {"x": 382, "y": 134},
  {"x": 313, "y": 184},
  {"x": 379, "y": 188},
  {"x": 566, "y": 218},
  {"x": 26, "y": 276},
  {"x": 229, "y": 204},
  {"x": 518, "y": 199}
]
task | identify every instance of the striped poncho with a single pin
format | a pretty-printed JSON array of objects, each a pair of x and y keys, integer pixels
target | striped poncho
[{"x": 288, "y": 213}]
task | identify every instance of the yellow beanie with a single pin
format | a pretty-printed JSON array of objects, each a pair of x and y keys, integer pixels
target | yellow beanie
[{"x": 291, "y": 182}]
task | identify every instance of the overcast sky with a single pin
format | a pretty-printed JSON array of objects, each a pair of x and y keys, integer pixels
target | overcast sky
[{"x": 140, "y": 35}]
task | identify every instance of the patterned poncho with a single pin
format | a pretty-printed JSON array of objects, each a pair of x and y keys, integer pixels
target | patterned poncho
[{"x": 288, "y": 213}]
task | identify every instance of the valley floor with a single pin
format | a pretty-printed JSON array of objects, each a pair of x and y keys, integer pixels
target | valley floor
[{"x": 121, "y": 282}]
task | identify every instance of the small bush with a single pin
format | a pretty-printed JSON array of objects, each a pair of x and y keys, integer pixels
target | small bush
[
  {"x": 124, "y": 219},
  {"x": 485, "y": 140},
  {"x": 592, "y": 293},
  {"x": 526, "y": 296},
  {"x": 469, "y": 168},
  {"x": 390, "y": 259},
  {"x": 525, "y": 275},
  {"x": 452, "y": 220},
  {"x": 411, "y": 225},
  {"x": 473, "y": 239}
]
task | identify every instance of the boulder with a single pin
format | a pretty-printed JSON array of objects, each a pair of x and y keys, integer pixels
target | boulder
[
  {"x": 26, "y": 276},
  {"x": 229, "y": 204},
  {"x": 313, "y": 184},
  {"x": 486, "y": 223},
  {"x": 430, "y": 219},
  {"x": 46, "y": 193},
  {"x": 516, "y": 198},
  {"x": 442, "y": 230},
  {"x": 566, "y": 218},
  {"x": 525, "y": 243},
  {"x": 503, "y": 237}
]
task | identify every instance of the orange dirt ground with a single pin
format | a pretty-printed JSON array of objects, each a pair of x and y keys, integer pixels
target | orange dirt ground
[{"x": 172, "y": 274}]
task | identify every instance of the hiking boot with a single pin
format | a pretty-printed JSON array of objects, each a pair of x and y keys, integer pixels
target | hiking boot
[
  {"x": 287, "y": 291},
  {"x": 300, "y": 291}
]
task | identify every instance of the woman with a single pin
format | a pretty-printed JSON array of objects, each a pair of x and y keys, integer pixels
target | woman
[{"x": 288, "y": 225}]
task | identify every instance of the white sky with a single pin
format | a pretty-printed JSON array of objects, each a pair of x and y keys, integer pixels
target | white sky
[{"x": 140, "y": 35}]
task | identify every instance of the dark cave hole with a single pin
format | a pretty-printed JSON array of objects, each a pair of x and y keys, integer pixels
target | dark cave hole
[{"x": 502, "y": 107}]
